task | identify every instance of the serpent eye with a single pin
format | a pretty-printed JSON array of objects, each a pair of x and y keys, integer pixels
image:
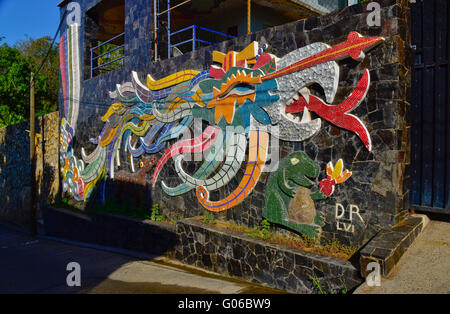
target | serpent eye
[
  {"x": 239, "y": 89},
  {"x": 295, "y": 161},
  {"x": 141, "y": 164}
]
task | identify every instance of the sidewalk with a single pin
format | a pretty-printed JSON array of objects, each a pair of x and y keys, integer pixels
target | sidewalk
[
  {"x": 425, "y": 267},
  {"x": 36, "y": 265}
]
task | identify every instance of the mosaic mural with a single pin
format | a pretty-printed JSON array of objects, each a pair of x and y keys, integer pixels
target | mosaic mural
[
  {"x": 72, "y": 169},
  {"x": 289, "y": 200},
  {"x": 247, "y": 99}
]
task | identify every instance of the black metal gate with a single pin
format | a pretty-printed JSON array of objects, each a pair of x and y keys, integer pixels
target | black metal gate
[{"x": 430, "y": 98}]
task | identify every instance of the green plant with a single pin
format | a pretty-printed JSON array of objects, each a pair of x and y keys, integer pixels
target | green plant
[
  {"x": 329, "y": 248},
  {"x": 107, "y": 54},
  {"x": 155, "y": 214},
  {"x": 69, "y": 204},
  {"x": 320, "y": 290},
  {"x": 263, "y": 231},
  {"x": 265, "y": 225},
  {"x": 344, "y": 289},
  {"x": 16, "y": 64},
  {"x": 317, "y": 284},
  {"x": 208, "y": 217},
  {"x": 173, "y": 219}
]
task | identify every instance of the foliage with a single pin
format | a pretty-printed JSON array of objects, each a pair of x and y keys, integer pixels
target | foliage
[
  {"x": 8, "y": 117},
  {"x": 208, "y": 217},
  {"x": 317, "y": 285},
  {"x": 69, "y": 204},
  {"x": 173, "y": 219},
  {"x": 321, "y": 290},
  {"x": 16, "y": 64},
  {"x": 263, "y": 231},
  {"x": 108, "y": 57},
  {"x": 14, "y": 85},
  {"x": 155, "y": 214},
  {"x": 344, "y": 289},
  {"x": 47, "y": 81},
  {"x": 335, "y": 247},
  {"x": 329, "y": 248}
]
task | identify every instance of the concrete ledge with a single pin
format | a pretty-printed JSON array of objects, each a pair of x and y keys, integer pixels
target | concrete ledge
[
  {"x": 111, "y": 230},
  {"x": 388, "y": 246},
  {"x": 239, "y": 256}
]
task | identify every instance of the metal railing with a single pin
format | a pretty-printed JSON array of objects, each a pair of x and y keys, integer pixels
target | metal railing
[
  {"x": 194, "y": 38},
  {"x": 104, "y": 54}
]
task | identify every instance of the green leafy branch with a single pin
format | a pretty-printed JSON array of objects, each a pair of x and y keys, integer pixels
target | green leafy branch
[{"x": 156, "y": 216}]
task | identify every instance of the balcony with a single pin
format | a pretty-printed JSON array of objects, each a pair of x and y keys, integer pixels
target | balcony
[
  {"x": 107, "y": 56},
  {"x": 194, "y": 42}
]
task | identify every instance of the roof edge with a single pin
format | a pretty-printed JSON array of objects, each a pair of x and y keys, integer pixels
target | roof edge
[
  {"x": 321, "y": 11},
  {"x": 62, "y": 3}
]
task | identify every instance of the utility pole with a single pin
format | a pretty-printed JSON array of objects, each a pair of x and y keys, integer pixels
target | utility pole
[
  {"x": 155, "y": 28},
  {"x": 33, "y": 207},
  {"x": 249, "y": 17}
]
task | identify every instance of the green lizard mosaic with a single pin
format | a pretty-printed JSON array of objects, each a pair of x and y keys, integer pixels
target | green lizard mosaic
[{"x": 290, "y": 202}]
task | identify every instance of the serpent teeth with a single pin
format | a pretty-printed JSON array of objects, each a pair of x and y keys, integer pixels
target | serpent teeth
[
  {"x": 306, "y": 116},
  {"x": 305, "y": 93}
]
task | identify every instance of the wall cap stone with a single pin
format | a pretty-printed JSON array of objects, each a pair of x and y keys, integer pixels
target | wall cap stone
[{"x": 389, "y": 245}]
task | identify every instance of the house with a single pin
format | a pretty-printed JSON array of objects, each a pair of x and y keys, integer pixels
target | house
[
  {"x": 183, "y": 26},
  {"x": 330, "y": 132}
]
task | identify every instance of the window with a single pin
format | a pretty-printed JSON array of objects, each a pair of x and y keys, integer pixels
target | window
[
  {"x": 104, "y": 37},
  {"x": 183, "y": 26}
]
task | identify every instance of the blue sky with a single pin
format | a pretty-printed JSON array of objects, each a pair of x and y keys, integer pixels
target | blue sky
[{"x": 35, "y": 18}]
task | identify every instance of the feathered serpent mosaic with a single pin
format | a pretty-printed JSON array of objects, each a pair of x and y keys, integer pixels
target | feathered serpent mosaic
[{"x": 247, "y": 98}]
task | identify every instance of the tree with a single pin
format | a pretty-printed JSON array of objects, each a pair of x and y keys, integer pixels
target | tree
[
  {"x": 14, "y": 85},
  {"x": 108, "y": 57},
  {"x": 16, "y": 65},
  {"x": 47, "y": 80}
]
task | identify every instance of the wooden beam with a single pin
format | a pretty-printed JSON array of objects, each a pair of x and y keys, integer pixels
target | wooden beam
[
  {"x": 33, "y": 198},
  {"x": 249, "y": 17},
  {"x": 174, "y": 7}
]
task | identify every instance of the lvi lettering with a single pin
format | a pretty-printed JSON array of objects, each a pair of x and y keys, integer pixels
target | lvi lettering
[{"x": 347, "y": 225}]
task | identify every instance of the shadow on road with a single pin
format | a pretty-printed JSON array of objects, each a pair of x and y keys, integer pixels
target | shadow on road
[{"x": 37, "y": 265}]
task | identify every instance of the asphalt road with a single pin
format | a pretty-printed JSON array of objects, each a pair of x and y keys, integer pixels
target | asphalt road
[{"x": 37, "y": 265}]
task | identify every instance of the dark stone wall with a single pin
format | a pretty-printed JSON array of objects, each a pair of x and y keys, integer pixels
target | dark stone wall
[
  {"x": 379, "y": 185},
  {"x": 240, "y": 256},
  {"x": 15, "y": 169},
  {"x": 111, "y": 231}
]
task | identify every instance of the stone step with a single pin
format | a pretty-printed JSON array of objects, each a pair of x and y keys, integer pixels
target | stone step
[{"x": 388, "y": 246}]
